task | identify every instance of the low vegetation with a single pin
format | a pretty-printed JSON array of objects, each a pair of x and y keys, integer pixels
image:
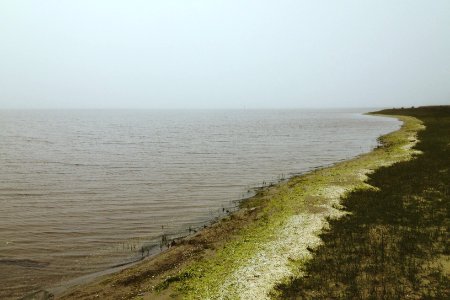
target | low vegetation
[{"x": 394, "y": 243}]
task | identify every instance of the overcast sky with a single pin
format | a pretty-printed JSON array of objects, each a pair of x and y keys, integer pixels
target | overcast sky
[{"x": 223, "y": 54}]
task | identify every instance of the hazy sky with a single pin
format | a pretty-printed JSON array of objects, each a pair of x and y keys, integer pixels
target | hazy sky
[{"x": 223, "y": 54}]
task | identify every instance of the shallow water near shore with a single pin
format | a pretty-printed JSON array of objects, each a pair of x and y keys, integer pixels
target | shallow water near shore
[{"x": 81, "y": 191}]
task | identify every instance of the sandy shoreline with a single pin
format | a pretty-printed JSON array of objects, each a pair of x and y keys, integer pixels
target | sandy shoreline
[{"x": 240, "y": 257}]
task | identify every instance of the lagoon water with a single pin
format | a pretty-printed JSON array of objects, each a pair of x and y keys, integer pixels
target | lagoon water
[{"x": 82, "y": 191}]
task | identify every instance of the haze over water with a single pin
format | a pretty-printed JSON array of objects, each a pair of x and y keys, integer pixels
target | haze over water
[{"x": 81, "y": 191}]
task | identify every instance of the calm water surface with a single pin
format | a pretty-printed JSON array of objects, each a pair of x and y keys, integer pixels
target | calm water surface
[{"x": 81, "y": 191}]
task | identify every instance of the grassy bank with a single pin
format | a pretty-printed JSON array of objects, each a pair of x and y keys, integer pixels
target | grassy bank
[
  {"x": 394, "y": 243},
  {"x": 268, "y": 242}
]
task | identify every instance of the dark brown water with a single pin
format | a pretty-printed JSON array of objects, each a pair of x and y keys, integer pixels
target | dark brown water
[{"x": 82, "y": 191}]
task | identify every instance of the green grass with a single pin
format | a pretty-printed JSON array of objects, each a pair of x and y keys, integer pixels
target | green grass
[{"x": 394, "y": 244}]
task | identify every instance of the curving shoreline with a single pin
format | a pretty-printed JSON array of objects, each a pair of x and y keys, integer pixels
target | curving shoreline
[{"x": 240, "y": 254}]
